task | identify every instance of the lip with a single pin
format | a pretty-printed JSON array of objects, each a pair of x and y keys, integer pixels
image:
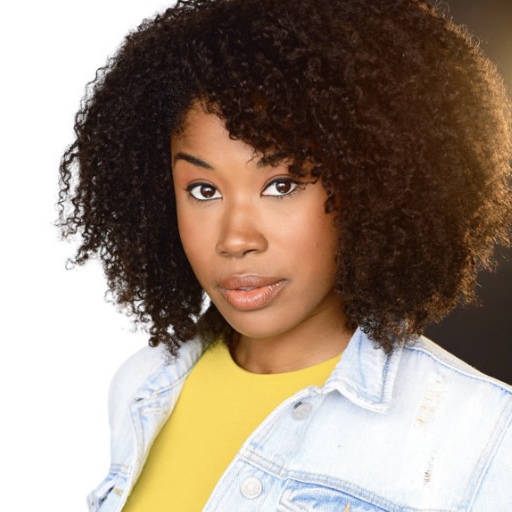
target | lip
[{"x": 250, "y": 292}]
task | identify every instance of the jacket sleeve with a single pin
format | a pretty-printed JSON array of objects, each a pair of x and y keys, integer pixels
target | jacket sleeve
[
  {"x": 97, "y": 497},
  {"x": 128, "y": 379}
]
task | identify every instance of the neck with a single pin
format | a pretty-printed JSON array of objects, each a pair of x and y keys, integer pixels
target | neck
[{"x": 294, "y": 350}]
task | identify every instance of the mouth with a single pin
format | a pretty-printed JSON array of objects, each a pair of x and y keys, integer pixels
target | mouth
[{"x": 250, "y": 292}]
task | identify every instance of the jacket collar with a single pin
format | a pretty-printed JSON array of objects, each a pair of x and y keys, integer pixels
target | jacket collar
[
  {"x": 366, "y": 374},
  {"x": 171, "y": 371}
]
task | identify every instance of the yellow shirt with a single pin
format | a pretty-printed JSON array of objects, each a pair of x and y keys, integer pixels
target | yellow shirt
[{"x": 220, "y": 406}]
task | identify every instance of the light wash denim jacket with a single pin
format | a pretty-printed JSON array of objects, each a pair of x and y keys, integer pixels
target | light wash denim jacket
[{"x": 417, "y": 430}]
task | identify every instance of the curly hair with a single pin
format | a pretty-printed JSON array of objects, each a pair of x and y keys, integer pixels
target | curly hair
[{"x": 391, "y": 105}]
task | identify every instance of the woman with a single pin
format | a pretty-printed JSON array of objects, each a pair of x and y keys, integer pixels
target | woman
[{"x": 287, "y": 193}]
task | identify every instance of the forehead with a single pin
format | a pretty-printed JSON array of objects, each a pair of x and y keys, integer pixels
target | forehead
[
  {"x": 203, "y": 129},
  {"x": 197, "y": 121},
  {"x": 204, "y": 141}
]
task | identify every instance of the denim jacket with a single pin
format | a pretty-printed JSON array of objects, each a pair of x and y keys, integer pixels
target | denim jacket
[{"x": 415, "y": 430}]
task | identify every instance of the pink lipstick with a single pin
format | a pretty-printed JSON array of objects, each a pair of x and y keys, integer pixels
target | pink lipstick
[{"x": 250, "y": 292}]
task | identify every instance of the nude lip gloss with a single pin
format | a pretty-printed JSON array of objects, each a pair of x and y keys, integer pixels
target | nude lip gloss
[{"x": 250, "y": 292}]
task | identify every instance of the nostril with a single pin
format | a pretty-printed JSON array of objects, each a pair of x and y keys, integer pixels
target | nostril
[
  {"x": 239, "y": 241},
  {"x": 236, "y": 252}
]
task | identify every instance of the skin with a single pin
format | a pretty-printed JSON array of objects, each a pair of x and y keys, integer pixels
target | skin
[{"x": 239, "y": 218}]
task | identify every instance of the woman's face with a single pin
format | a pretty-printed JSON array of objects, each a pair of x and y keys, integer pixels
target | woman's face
[{"x": 257, "y": 237}]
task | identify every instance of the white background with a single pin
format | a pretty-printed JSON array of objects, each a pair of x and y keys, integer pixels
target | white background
[{"x": 60, "y": 341}]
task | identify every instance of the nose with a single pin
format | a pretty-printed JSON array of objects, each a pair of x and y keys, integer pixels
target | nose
[{"x": 241, "y": 232}]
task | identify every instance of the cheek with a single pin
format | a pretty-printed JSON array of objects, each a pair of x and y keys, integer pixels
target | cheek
[
  {"x": 320, "y": 235},
  {"x": 324, "y": 248},
  {"x": 196, "y": 242},
  {"x": 183, "y": 229},
  {"x": 187, "y": 231},
  {"x": 189, "y": 239}
]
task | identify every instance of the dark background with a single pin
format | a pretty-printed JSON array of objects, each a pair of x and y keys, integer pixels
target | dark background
[{"x": 482, "y": 335}]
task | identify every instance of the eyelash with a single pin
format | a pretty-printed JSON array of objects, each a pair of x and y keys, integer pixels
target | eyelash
[
  {"x": 297, "y": 187},
  {"x": 196, "y": 185}
]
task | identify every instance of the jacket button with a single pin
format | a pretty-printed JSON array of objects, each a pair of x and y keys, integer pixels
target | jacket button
[
  {"x": 302, "y": 410},
  {"x": 251, "y": 488}
]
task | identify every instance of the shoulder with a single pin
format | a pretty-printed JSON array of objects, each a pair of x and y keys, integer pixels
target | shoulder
[
  {"x": 425, "y": 357},
  {"x": 136, "y": 369},
  {"x": 463, "y": 393},
  {"x": 148, "y": 370},
  {"x": 467, "y": 415}
]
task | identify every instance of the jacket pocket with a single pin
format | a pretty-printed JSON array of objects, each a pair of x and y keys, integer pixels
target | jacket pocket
[{"x": 301, "y": 497}]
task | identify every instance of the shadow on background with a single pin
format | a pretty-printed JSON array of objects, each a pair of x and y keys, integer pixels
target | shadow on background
[{"x": 482, "y": 335}]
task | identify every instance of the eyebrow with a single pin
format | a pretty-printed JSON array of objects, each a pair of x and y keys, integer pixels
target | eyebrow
[
  {"x": 192, "y": 160},
  {"x": 204, "y": 165}
]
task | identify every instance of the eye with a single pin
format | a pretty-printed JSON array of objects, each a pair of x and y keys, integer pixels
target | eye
[
  {"x": 203, "y": 191},
  {"x": 280, "y": 187}
]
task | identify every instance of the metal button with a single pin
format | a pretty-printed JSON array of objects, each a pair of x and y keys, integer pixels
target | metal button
[
  {"x": 251, "y": 488},
  {"x": 302, "y": 410}
]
